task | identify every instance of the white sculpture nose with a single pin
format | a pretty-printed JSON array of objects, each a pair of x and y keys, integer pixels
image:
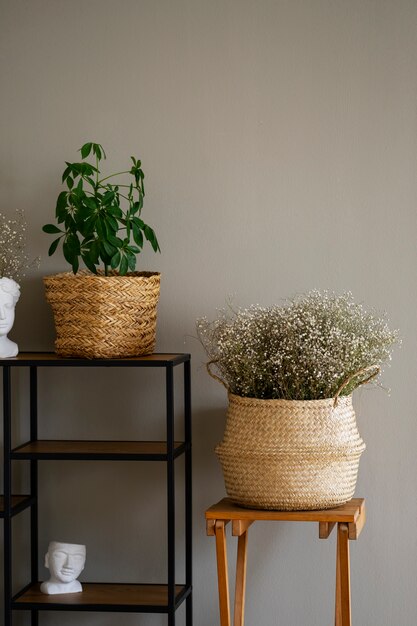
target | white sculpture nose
[{"x": 2, "y": 313}]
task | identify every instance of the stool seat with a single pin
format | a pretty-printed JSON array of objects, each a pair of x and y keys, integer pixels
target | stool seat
[{"x": 350, "y": 519}]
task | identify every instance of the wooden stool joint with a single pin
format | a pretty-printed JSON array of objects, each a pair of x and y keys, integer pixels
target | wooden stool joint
[
  {"x": 240, "y": 526},
  {"x": 325, "y": 528}
]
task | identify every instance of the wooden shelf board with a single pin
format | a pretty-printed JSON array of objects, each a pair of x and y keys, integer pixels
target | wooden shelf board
[
  {"x": 50, "y": 358},
  {"x": 96, "y": 595},
  {"x": 16, "y": 501},
  {"x": 48, "y": 448}
]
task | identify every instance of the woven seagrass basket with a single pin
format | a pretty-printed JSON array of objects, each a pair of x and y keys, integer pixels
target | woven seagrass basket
[
  {"x": 289, "y": 454},
  {"x": 99, "y": 316}
]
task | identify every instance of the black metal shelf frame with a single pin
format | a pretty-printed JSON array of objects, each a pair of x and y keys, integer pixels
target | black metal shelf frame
[
  {"x": 172, "y": 451},
  {"x": 54, "y": 605}
]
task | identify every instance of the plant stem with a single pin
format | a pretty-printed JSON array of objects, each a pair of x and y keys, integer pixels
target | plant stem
[
  {"x": 111, "y": 176},
  {"x": 97, "y": 173},
  {"x": 104, "y": 187}
]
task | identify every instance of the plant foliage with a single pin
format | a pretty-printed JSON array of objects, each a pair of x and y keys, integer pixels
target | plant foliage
[
  {"x": 305, "y": 350},
  {"x": 100, "y": 222}
]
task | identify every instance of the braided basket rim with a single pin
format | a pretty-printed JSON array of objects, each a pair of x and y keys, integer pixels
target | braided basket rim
[{"x": 87, "y": 275}]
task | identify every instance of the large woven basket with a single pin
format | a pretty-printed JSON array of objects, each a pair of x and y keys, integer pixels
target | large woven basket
[
  {"x": 100, "y": 316},
  {"x": 289, "y": 454}
]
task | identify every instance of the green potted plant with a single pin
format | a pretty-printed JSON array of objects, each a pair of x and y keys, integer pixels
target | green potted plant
[
  {"x": 291, "y": 440},
  {"x": 109, "y": 309}
]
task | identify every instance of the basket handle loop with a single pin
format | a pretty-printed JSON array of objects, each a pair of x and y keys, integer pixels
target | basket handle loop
[
  {"x": 208, "y": 367},
  {"x": 375, "y": 369}
]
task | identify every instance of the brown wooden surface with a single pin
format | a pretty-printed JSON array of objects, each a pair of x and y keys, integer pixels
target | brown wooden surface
[
  {"x": 344, "y": 573},
  {"x": 240, "y": 526},
  {"x": 338, "y": 597},
  {"x": 211, "y": 526},
  {"x": 350, "y": 519},
  {"x": 356, "y": 529},
  {"x": 103, "y": 593},
  {"x": 240, "y": 588},
  {"x": 94, "y": 447},
  {"x": 222, "y": 574},
  {"x": 226, "y": 509},
  {"x": 15, "y": 500},
  {"x": 325, "y": 528}
]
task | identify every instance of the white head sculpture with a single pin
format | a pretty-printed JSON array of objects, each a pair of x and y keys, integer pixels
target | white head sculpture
[
  {"x": 65, "y": 562},
  {"x": 9, "y": 295}
]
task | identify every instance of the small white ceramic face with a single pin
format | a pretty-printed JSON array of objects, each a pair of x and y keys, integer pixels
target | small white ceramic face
[
  {"x": 7, "y": 305},
  {"x": 65, "y": 561}
]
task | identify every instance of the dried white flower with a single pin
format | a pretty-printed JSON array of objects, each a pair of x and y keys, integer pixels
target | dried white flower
[
  {"x": 13, "y": 258},
  {"x": 302, "y": 351}
]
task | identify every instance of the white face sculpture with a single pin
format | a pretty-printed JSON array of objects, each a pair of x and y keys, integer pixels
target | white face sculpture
[
  {"x": 65, "y": 561},
  {"x": 7, "y": 305}
]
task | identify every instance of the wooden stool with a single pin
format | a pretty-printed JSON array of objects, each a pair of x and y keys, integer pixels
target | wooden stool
[{"x": 350, "y": 519}]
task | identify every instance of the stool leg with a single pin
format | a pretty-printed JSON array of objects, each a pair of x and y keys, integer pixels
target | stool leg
[
  {"x": 239, "y": 614},
  {"x": 338, "y": 604},
  {"x": 343, "y": 610},
  {"x": 222, "y": 573}
]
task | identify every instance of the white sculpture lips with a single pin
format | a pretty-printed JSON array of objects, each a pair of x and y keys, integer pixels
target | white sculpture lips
[{"x": 67, "y": 570}]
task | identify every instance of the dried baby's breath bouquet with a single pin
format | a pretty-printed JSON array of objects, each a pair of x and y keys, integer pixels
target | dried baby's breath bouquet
[
  {"x": 313, "y": 347},
  {"x": 13, "y": 258}
]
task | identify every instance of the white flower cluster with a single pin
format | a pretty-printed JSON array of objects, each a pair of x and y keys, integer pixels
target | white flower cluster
[
  {"x": 13, "y": 258},
  {"x": 304, "y": 350}
]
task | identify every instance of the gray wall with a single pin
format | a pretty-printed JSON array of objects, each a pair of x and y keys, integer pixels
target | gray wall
[{"x": 279, "y": 143}]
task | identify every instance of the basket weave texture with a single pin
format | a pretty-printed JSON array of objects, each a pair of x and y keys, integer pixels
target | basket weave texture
[
  {"x": 289, "y": 454},
  {"x": 100, "y": 316}
]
